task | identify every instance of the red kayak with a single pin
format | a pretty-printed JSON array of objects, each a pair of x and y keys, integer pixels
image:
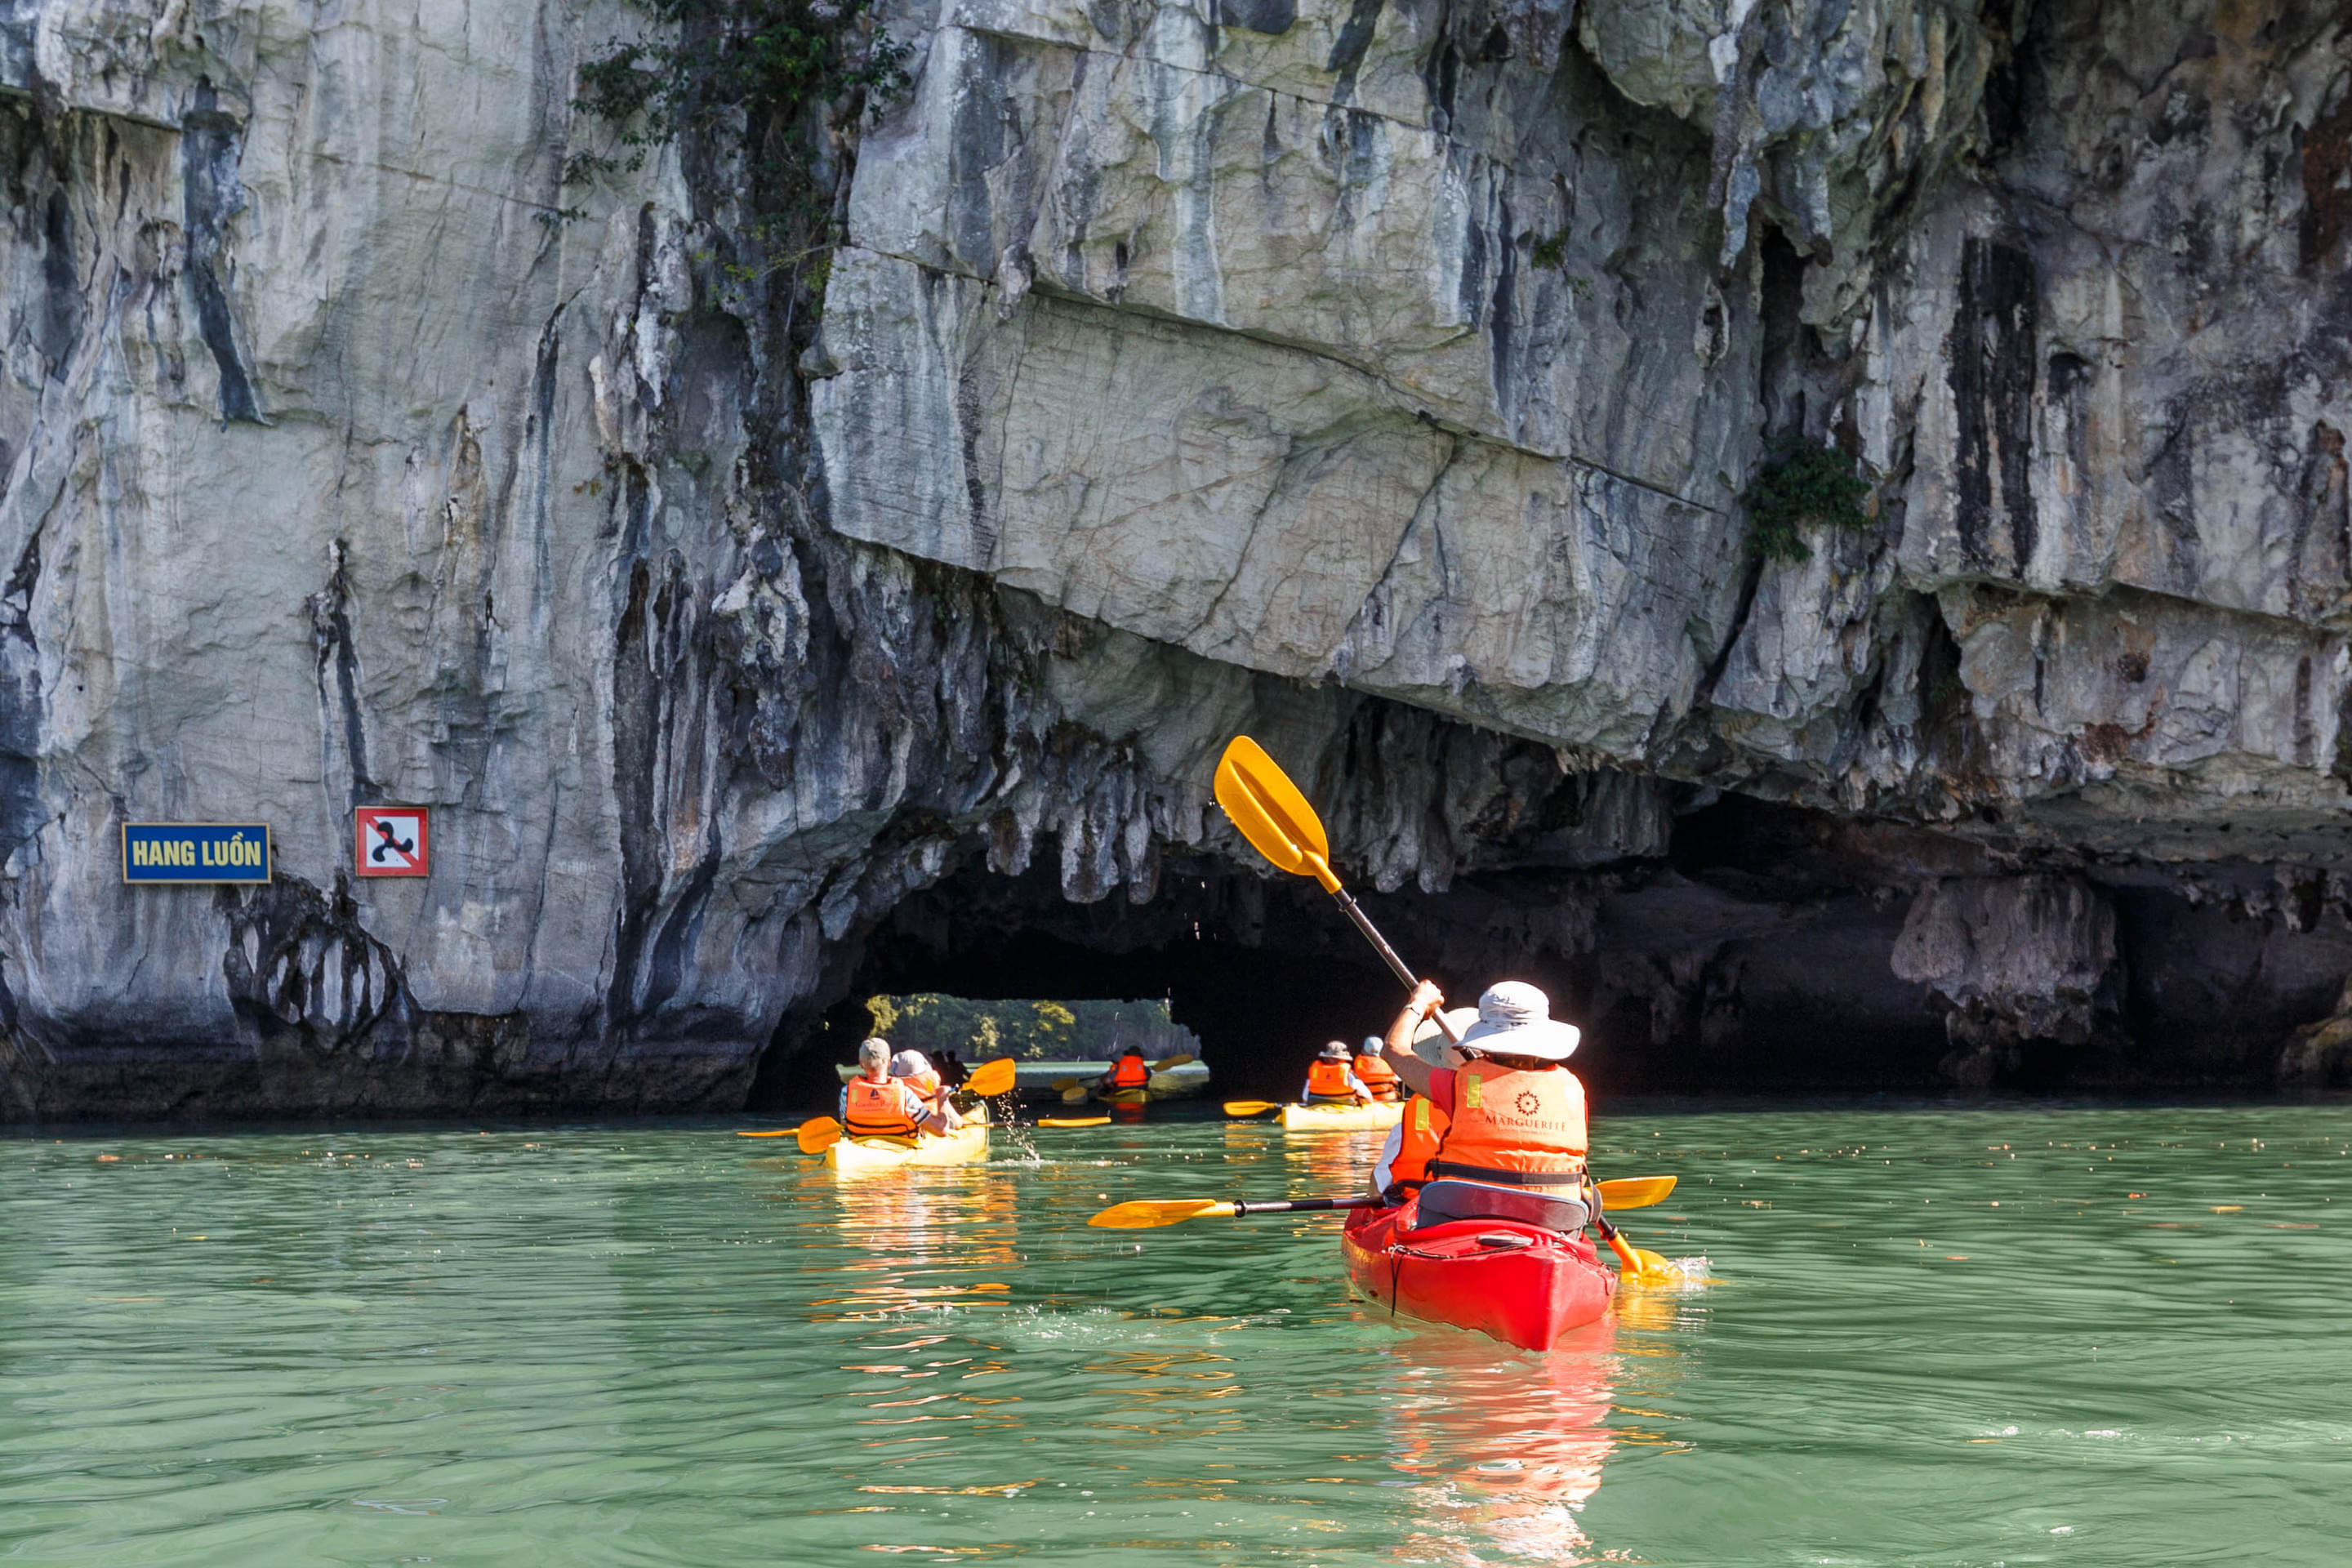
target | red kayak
[{"x": 1519, "y": 1283}]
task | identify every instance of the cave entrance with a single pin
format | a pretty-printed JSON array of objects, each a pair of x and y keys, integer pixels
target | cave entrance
[
  {"x": 1255, "y": 976},
  {"x": 1755, "y": 956}
]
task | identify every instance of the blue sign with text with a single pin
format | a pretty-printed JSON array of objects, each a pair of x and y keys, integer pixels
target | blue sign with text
[{"x": 196, "y": 852}]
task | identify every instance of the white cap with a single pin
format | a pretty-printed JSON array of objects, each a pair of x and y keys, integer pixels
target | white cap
[{"x": 906, "y": 1064}]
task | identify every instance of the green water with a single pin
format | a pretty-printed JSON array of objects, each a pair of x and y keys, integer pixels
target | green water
[{"x": 1932, "y": 1337}]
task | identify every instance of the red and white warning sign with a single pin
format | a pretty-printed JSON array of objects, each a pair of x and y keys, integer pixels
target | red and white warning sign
[{"x": 392, "y": 840}]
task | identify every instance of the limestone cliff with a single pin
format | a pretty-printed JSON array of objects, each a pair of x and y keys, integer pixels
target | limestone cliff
[{"x": 1383, "y": 378}]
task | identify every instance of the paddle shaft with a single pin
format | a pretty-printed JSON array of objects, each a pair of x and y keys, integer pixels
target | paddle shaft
[
  {"x": 1301, "y": 1206},
  {"x": 1148, "y": 1214},
  {"x": 1627, "y": 1263},
  {"x": 1380, "y": 944}
]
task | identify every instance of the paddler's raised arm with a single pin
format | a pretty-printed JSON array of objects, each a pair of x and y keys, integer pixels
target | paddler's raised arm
[{"x": 1410, "y": 1070}]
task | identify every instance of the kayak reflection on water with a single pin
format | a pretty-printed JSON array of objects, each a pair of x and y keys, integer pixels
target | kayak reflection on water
[
  {"x": 1325, "y": 1163},
  {"x": 1502, "y": 1448},
  {"x": 912, "y": 1246}
]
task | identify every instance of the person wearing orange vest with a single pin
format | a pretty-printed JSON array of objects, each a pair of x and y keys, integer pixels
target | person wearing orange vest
[
  {"x": 1380, "y": 1079},
  {"x": 920, "y": 1075},
  {"x": 1131, "y": 1071},
  {"x": 875, "y": 1105},
  {"x": 1502, "y": 1108},
  {"x": 1331, "y": 1081}
]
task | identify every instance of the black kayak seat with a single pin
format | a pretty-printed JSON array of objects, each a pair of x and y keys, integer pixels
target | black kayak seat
[{"x": 1452, "y": 1200}]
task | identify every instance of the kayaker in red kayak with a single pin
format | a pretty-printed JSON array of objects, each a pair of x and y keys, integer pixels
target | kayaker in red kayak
[
  {"x": 1484, "y": 1183},
  {"x": 1331, "y": 1080},
  {"x": 875, "y": 1105},
  {"x": 1380, "y": 1079},
  {"x": 1502, "y": 1110}
]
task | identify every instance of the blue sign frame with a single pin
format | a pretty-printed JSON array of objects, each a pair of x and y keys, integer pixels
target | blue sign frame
[{"x": 169, "y": 852}]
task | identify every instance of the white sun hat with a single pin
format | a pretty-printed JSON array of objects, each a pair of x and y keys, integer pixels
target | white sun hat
[
  {"x": 1513, "y": 1018},
  {"x": 906, "y": 1064}
]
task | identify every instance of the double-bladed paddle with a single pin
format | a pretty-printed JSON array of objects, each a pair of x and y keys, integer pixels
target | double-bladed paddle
[
  {"x": 1150, "y": 1214},
  {"x": 1270, "y": 812},
  {"x": 819, "y": 1133}
]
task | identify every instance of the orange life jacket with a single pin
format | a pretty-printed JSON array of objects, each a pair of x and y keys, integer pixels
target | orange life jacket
[
  {"x": 1520, "y": 1126},
  {"x": 1328, "y": 1080},
  {"x": 878, "y": 1109},
  {"x": 1132, "y": 1072},
  {"x": 1421, "y": 1135},
  {"x": 925, "y": 1083},
  {"x": 1379, "y": 1077}
]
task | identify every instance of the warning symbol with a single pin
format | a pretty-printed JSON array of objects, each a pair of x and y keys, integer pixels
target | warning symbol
[{"x": 392, "y": 840}]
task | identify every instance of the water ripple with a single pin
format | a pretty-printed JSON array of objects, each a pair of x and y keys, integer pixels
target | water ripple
[{"x": 2089, "y": 1335}]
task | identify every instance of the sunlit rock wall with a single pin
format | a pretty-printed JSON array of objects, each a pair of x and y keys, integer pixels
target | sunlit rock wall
[
  {"x": 1428, "y": 352},
  {"x": 1380, "y": 378}
]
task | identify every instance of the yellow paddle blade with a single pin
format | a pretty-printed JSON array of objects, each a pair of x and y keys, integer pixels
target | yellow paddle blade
[
  {"x": 819, "y": 1133},
  {"x": 991, "y": 1079},
  {"x": 1168, "y": 1064},
  {"x": 1251, "y": 1106},
  {"x": 1073, "y": 1121},
  {"x": 1269, "y": 812},
  {"x": 1636, "y": 1191},
  {"x": 1074, "y": 1095},
  {"x": 1654, "y": 1269},
  {"x": 1147, "y": 1214}
]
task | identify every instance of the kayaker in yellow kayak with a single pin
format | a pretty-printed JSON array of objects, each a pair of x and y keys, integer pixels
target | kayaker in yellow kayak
[
  {"x": 1501, "y": 1108},
  {"x": 1331, "y": 1080},
  {"x": 1380, "y": 1079},
  {"x": 1131, "y": 1071},
  {"x": 875, "y": 1105},
  {"x": 920, "y": 1075}
]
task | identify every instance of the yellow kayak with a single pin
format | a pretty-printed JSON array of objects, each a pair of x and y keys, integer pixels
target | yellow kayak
[
  {"x": 863, "y": 1156},
  {"x": 1374, "y": 1118}
]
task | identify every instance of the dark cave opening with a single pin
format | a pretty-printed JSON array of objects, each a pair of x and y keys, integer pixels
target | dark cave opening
[
  {"x": 1253, "y": 1004},
  {"x": 1753, "y": 957}
]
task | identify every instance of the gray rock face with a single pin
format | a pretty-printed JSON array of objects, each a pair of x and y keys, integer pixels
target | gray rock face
[
  {"x": 2019, "y": 958},
  {"x": 1381, "y": 379}
]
